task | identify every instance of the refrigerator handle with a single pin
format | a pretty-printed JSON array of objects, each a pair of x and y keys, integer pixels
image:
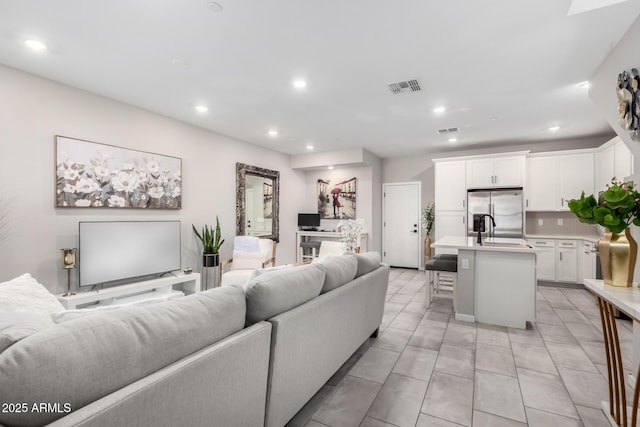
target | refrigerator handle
[{"x": 491, "y": 223}]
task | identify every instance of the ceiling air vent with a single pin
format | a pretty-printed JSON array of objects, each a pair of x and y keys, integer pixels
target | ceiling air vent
[
  {"x": 448, "y": 131},
  {"x": 405, "y": 87}
]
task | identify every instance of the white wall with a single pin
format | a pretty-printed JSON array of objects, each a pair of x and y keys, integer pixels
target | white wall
[
  {"x": 603, "y": 83},
  {"x": 367, "y": 200},
  {"x": 33, "y": 110}
]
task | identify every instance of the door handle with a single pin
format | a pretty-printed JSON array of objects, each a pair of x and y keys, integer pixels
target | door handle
[{"x": 413, "y": 231}]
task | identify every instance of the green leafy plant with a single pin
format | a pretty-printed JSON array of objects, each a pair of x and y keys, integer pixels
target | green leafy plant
[
  {"x": 616, "y": 209},
  {"x": 428, "y": 217},
  {"x": 211, "y": 238}
]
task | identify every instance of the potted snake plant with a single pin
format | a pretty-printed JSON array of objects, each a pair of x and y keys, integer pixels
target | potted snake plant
[{"x": 211, "y": 242}]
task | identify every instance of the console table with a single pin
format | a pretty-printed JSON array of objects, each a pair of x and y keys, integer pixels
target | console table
[
  {"x": 302, "y": 236},
  {"x": 134, "y": 292}
]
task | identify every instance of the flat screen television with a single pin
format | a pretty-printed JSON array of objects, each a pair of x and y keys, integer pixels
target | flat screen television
[
  {"x": 308, "y": 221},
  {"x": 112, "y": 252}
]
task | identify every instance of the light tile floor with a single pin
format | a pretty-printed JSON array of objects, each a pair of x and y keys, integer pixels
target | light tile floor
[{"x": 428, "y": 369}]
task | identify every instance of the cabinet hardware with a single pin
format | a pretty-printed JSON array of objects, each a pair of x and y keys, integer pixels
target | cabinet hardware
[
  {"x": 527, "y": 203},
  {"x": 562, "y": 201},
  {"x": 560, "y": 256}
]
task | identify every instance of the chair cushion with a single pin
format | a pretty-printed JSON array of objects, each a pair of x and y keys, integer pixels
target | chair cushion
[
  {"x": 441, "y": 264},
  {"x": 25, "y": 294},
  {"x": 367, "y": 262},
  {"x": 247, "y": 260},
  {"x": 236, "y": 277},
  {"x": 80, "y": 361},
  {"x": 338, "y": 271},
  {"x": 275, "y": 292},
  {"x": 15, "y": 326}
]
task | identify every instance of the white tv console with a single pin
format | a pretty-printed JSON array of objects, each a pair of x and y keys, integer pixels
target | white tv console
[{"x": 134, "y": 292}]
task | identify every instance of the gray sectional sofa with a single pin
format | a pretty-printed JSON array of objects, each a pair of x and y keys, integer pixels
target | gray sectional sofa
[{"x": 224, "y": 357}]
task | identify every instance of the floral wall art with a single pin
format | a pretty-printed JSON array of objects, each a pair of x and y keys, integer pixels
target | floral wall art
[{"x": 93, "y": 175}]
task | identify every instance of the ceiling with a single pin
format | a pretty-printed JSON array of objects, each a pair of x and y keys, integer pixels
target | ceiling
[{"x": 506, "y": 71}]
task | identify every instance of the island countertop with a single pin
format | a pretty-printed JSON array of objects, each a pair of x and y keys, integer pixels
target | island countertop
[{"x": 496, "y": 244}]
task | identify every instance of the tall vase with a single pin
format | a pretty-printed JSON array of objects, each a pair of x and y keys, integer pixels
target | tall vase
[
  {"x": 427, "y": 249},
  {"x": 210, "y": 262},
  {"x": 618, "y": 254}
]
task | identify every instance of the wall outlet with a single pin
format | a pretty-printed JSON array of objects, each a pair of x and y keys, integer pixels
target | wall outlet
[
  {"x": 465, "y": 263},
  {"x": 540, "y": 221},
  {"x": 560, "y": 221}
]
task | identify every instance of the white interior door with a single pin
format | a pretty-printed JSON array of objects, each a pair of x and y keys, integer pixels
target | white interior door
[{"x": 401, "y": 242}]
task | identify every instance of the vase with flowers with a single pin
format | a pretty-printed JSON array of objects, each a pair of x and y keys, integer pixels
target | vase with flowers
[
  {"x": 616, "y": 209},
  {"x": 350, "y": 231},
  {"x": 428, "y": 219}
]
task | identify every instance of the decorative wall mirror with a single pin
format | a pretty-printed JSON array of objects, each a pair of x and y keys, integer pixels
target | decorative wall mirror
[{"x": 257, "y": 202}]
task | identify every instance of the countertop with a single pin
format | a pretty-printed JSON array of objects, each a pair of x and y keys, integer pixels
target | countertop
[
  {"x": 589, "y": 238},
  {"x": 501, "y": 244}
]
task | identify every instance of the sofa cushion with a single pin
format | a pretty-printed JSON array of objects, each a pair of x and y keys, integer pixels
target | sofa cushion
[
  {"x": 15, "y": 326},
  {"x": 338, "y": 271},
  {"x": 79, "y": 361},
  {"x": 277, "y": 291},
  {"x": 25, "y": 294},
  {"x": 367, "y": 262}
]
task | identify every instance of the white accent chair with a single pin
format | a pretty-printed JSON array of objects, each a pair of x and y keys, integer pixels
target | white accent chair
[
  {"x": 330, "y": 247},
  {"x": 249, "y": 253}
]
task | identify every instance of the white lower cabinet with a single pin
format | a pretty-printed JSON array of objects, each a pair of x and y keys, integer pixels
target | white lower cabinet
[
  {"x": 557, "y": 260},
  {"x": 546, "y": 260},
  {"x": 567, "y": 261},
  {"x": 588, "y": 260}
]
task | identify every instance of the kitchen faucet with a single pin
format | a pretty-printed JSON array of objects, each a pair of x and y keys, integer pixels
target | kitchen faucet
[{"x": 480, "y": 219}]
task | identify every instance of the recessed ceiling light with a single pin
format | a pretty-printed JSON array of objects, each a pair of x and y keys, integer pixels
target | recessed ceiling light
[
  {"x": 453, "y": 139},
  {"x": 554, "y": 128},
  {"x": 465, "y": 109},
  {"x": 309, "y": 147},
  {"x": 439, "y": 110},
  {"x": 273, "y": 132},
  {"x": 178, "y": 62},
  {"x": 584, "y": 85},
  {"x": 36, "y": 45},
  {"x": 493, "y": 118},
  {"x": 330, "y": 168},
  {"x": 299, "y": 83},
  {"x": 214, "y": 6},
  {"x": 201, "y": 109}
]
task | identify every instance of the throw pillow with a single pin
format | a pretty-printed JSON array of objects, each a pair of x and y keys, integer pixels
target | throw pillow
[
  {"x": 339, "y": 270},
  {"x": 275, "y": 292},
  {"x": 25, "y": 294},
  {"x": 16, "y": 326}
]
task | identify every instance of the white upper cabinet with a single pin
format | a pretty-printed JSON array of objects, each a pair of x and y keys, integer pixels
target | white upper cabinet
[
  {"x": 450, "y": 190},
  {"x": 541, "y": 191},
  {"x": 552, "y": 180},
  {"x": 496, "y": 172},
  {"x": 575, "y": 175},
  {"x": 605, "y": 167},
  {"x": 613, "y": 159},
  {"x": 622, "y": 161}
]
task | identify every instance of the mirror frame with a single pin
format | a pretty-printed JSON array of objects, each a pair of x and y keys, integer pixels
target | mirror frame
[{"x": 241, "y": 171}]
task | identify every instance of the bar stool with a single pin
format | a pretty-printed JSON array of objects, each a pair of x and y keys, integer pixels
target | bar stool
[
  {"x": 617, "y": 393},
  {"x": 442, "y": 275},
  {"x": 314, "y": 245}
]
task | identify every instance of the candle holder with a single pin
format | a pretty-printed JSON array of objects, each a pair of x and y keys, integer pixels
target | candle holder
[{"x": 68, "y": 258}]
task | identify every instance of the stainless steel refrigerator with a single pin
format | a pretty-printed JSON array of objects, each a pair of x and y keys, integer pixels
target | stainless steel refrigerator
[{"x": 506, "y": 207}]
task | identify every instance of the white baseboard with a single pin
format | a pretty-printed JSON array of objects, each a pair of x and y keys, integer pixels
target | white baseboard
[{"x": 465, "y": 317}]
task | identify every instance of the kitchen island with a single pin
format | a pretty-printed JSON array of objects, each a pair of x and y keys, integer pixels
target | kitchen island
[{"x": 496, "y": 280}]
